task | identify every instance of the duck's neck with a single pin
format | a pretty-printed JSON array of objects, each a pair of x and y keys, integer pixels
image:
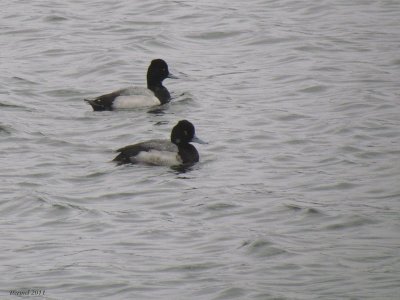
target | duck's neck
[
  {"x": 153, "y": 86},
  {"x": 159, "y": 90},
  {"x": 188, "y": 153},
  {"x": 153, "y": 82}
]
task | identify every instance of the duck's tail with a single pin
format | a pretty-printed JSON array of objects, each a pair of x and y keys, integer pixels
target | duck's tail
[
  {"x": 121, "y": 159},
  {"x": 96, "y": 105}
]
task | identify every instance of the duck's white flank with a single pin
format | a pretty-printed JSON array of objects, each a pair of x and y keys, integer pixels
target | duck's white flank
[
  {"x": 133, "y": 97},
  {"x": 156, "y": 157}
]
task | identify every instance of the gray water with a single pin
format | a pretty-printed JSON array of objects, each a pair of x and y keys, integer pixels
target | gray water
[{"x": 296, "y": 196}]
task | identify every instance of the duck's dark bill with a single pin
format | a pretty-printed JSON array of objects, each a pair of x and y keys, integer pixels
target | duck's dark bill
[
  {"x": 195, "y": 139},
  {"x": 172, "y": 76}
]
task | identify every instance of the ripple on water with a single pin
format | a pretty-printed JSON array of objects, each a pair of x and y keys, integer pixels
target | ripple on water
[
  {"x": 262, "y": 248},
  {"x": 5, "y": 130},
  {"x": 55, "y": 19},
  {"x": 351, "y": 222}
]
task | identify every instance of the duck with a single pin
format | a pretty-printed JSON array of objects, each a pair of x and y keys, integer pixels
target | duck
[
  {"x": 174, "y": 152},
  {"x": 136, "y": 97}
]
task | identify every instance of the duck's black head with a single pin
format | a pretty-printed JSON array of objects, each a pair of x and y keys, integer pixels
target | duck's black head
[
  {"x": 156, "y": 73},
  {"x": 182, "y": 133}
]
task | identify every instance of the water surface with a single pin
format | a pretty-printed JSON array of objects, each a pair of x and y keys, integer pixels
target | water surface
[{"x": 296, "y": 195}]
